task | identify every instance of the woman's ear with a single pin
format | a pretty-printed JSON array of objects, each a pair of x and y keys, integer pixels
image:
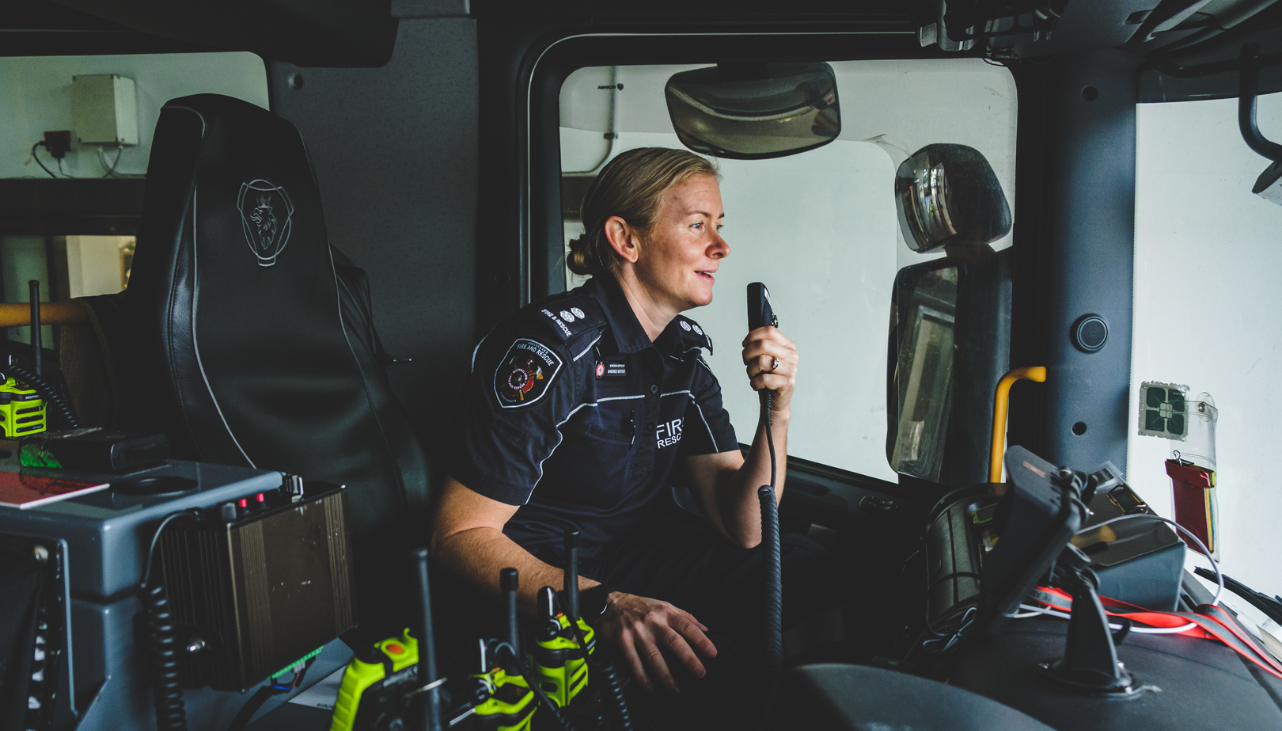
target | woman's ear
[{"x": 623, "y": 239}]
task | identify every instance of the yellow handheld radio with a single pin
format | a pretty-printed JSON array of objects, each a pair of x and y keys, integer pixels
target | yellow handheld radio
[
  {"x": 23, "y": 409},
  {"x": 503, "y": 699},
  {"x": 501, "y": 702},
  {"x": 386, "y": 666},
  {"x": 559, "y": 663}
]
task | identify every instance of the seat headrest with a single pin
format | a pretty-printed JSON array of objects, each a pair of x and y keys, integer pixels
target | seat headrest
[
  {"x": 247, "y": 160},
  {"x": 233, "y": 281}
]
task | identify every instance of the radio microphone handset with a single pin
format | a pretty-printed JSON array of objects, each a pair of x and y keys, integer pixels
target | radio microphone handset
[{"x": 761, "y": 314}]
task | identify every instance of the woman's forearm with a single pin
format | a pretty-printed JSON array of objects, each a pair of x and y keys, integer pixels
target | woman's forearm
[
  {"x": 479, "y": 554},
  {"x": 740, "y": 507}
]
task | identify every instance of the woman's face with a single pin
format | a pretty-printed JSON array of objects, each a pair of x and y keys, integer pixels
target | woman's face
[{"x": 680, "y": 254}]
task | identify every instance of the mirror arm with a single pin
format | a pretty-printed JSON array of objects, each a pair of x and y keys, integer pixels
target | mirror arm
[{"x": 1248, "y": 93}]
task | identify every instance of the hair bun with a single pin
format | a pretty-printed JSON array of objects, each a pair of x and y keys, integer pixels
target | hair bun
[{"x": 577, "y": 259}]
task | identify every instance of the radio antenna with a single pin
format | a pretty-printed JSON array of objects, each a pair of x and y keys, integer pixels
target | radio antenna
[{"x": 34, "y": 284}]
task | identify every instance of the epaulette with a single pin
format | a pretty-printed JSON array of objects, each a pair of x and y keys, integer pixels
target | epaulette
[
  {"x": 568, "y": 316},
  {"x": 692, "y": 335}
]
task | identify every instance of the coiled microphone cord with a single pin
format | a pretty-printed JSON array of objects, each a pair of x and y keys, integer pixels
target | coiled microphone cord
[
  {"x": 167, "y": 693},
  {"x": 773, "y": 562},
  {"x": 47, "y": 392}
]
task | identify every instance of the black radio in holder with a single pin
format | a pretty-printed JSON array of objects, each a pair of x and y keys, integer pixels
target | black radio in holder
[{"x": 257, "y": 583}]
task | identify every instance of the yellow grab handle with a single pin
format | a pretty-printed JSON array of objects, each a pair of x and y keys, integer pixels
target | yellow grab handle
[
  {"x": 1001, "y": 404},
  {"x": 51, "y": 313}
]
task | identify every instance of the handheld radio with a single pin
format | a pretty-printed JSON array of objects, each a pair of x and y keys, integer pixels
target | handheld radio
[
  {"x": 380, "y": 682},
  {"x": 24, "y": 404},
  {"x": 375, "y": 679},
  {"x": 559, "y": 662},
  {"x": 502, "y": 697},
  {"x": 501, "y": 701},
  {"x": 761, "y": 314},
  {"x": 22, "y": 411}
]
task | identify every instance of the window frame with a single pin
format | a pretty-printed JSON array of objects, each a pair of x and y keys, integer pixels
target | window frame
[{"x": 540, "y": 270}]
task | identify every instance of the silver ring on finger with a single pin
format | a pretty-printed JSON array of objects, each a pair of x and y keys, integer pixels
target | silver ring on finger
[{"x": 774, "y": 365}]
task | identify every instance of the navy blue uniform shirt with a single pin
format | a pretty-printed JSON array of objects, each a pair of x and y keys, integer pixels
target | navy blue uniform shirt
[{"x": 572, "y": 413}]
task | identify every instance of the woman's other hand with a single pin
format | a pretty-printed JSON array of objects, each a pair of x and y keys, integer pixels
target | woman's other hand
[{"x": 650, "y": 635}]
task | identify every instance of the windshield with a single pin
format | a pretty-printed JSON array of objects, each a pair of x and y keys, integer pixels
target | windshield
[
  {"x": 820, "y": 229},
  {"x": 1208, "y": 318}
]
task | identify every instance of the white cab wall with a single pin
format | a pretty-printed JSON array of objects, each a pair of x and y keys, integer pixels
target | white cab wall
[
  {"x": 1208, "y": 314},
  {"x": 35, "y": 97}
]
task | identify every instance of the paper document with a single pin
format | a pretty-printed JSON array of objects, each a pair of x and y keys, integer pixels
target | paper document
[{"x": 324, "y": 694}]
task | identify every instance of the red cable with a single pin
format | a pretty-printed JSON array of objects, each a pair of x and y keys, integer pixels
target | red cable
[{"x": 1207, "y": 618}]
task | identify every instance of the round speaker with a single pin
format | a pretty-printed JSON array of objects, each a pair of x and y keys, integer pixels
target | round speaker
[
  {"x": 151, "y": 486},
  {"x": 1090, "y": 332}
]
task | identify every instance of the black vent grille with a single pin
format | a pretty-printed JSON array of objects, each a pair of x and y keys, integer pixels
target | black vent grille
[{"x": 259, "y": 592}]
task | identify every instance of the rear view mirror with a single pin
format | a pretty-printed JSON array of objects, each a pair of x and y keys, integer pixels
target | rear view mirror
[
  {"x": 948, "y": 195},
  {"x": 755, "y": 111}
]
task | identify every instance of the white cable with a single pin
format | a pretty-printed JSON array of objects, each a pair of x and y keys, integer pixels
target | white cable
[
  {"x": 1219, "y": 577},
  {"x": 102, "y": 159},
  {"x": 950, "y": 640},
  {"x": 1032, "y": 611}
]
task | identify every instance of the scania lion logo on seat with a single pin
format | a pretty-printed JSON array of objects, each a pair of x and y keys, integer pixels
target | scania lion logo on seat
[{"x": 265, "y": 215}]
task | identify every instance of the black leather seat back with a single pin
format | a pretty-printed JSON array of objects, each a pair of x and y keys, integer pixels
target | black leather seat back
[{"x": 245, "y": 355}]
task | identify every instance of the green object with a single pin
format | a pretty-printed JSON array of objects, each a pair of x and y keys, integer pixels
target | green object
[
  {"x": 559, "y": 665},
  {"x": 294, "y": 665},
  {"x": 508, "y": 703},
  {"x": 1163, "y": 410},
  {"x": 376, "y": 679},
  {"x": 22, "y": 411},
  {"x": 31, "y": 455}
]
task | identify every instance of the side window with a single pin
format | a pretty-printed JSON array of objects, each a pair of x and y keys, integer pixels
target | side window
[
  {"x": 819, "y": 228},
  {"x": 89, "y": 119}
]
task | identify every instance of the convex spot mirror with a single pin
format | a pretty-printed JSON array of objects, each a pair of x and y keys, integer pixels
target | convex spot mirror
[
  {"x": 948, "y": 195},
  {"x": 755, "y": 111}
]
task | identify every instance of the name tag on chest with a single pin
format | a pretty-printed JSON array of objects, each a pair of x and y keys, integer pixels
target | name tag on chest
[{"x": 607, "y": 369}]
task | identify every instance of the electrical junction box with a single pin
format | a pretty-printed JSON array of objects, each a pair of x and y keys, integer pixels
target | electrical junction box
[{"x": 104, "y": 109}]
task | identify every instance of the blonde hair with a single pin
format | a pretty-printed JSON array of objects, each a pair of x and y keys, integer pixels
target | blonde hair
[{"x": 631, "y": 187}]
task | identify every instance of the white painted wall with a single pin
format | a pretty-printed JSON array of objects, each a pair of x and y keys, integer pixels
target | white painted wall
[
  {"x": 93, "y": 264},
  {"x": 1208, "y": 314},
  {"x": 35, "y": 97}
]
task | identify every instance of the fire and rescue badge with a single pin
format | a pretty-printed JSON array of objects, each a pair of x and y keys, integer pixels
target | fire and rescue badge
[{"x": 524, "y": 374}]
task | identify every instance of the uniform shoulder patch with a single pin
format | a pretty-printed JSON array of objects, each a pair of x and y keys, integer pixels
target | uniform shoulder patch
[
  {"x": 693, "y": 335},
  {"x": 569, "y": 316},
  {"x": 525, "y": 373}
]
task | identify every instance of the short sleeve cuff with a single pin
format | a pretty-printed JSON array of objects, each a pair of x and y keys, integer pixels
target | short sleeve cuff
[{"x": 474, "y": 480}]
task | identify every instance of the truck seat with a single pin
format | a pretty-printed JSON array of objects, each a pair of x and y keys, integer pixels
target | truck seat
[{"x": 253, "y": 338}]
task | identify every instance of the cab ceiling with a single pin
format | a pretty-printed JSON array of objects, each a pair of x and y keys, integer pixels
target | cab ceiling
[{"x": 305, "y": 32}]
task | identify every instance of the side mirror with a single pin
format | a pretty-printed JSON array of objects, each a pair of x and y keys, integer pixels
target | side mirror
[
  {"x": 948, "y": 195},
  {"x": 754, "y": 111}
]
